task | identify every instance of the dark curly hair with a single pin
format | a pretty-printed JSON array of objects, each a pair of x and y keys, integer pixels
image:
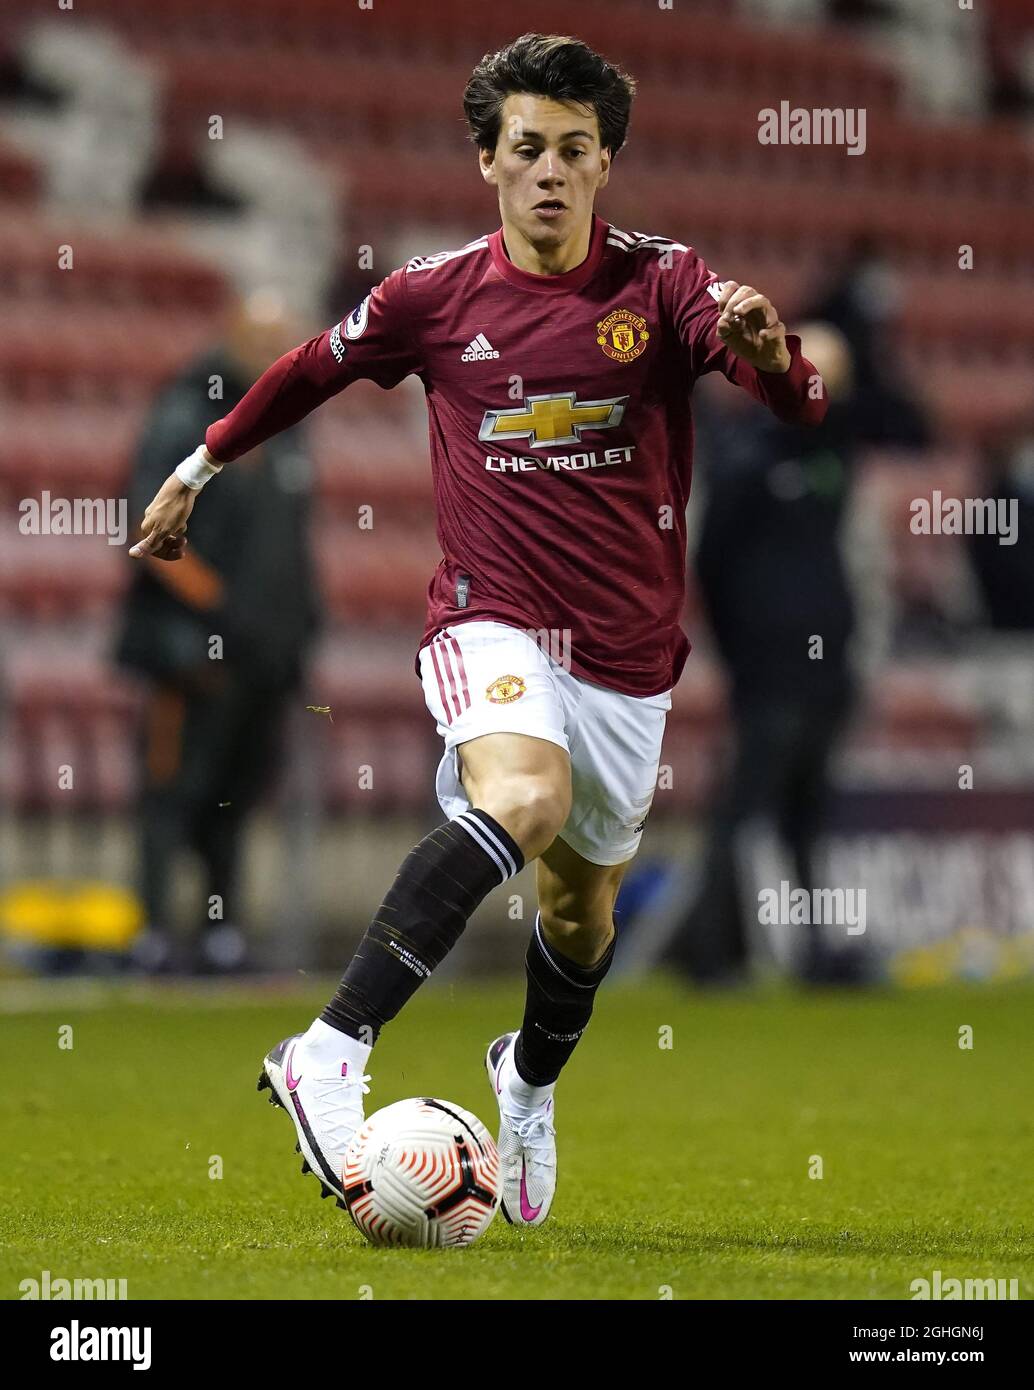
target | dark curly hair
[{"x": 548, "y": 65}]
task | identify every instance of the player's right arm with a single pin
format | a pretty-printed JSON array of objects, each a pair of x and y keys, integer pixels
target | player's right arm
[{"x": 375, "y": 342}]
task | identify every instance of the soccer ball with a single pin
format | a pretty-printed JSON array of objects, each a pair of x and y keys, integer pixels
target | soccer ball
[{"x": 422, "y": 1173}]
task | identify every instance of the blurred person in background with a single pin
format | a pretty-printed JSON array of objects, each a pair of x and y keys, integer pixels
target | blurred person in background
[
  {"x": 772, "y": 578},
  {"x": 1005, "y": 573},
  {"x": 863, "y": 297},
  {"x": 214, "y": 709}
]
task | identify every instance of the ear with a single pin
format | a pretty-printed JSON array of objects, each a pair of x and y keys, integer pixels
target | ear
[
  {"x": 604, "y": 169},
  {"x": 486, "y": 163}
]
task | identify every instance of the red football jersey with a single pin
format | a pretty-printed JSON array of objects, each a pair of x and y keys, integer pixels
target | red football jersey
[{"x": 560, "y": 431}]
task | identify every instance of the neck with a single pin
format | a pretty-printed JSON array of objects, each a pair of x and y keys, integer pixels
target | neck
[{"x": 546, "y": 260}]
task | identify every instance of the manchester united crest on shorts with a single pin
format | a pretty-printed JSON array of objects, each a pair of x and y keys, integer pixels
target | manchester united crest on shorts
[
  {"x": 505, "y": 689},
  {"x": 622, "y": 335}
]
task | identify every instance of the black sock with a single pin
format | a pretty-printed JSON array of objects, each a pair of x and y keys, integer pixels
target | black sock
[
  {"x": 439, "y": 885},
  {"x": 557, "y": 1009}
]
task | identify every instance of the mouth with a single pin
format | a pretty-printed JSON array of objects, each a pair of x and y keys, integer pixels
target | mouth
[{"x": 549, "y": 208}]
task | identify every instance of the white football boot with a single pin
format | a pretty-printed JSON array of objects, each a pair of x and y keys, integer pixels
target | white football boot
[
  {"x": 527, "y": 1139},
  {"x": 317, "y": 1077}
]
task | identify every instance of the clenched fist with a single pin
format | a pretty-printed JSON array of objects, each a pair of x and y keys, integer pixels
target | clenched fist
[{"x": 750, "y": 327}]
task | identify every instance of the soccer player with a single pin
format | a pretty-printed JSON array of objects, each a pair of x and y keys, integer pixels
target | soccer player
[{"x": 558, "y": 355}]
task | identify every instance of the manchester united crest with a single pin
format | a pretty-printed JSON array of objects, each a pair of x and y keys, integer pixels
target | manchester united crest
[
  {"x": 505, "y": 689},
  {"x": 622, "y": 335}
]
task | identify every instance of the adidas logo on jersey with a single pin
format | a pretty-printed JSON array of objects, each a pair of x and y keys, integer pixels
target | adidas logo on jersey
[{"x": 479, "y": 350}]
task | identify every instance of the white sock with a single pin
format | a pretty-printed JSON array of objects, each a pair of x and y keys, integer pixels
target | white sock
[
  {"x": 332, "y": 1047},
  {"x": 523, "y": 1099}
]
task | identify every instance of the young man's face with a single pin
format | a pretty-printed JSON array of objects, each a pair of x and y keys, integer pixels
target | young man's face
[{"x": 548, "y": 154}]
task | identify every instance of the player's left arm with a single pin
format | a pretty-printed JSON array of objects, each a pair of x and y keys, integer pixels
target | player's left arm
[
  {"x": 757, "y": 353},
  {"x": 737, "y": 330}
]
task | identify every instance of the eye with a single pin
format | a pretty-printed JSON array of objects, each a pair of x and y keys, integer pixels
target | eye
[
  {"x": 576, "y": 154},
  {"x": 527, "y": 152}
]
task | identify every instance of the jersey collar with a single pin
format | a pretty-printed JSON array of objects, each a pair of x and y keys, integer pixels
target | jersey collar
[{"x": 551, "y": 284}]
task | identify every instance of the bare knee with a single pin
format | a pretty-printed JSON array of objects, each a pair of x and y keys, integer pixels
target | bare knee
[
  {"x": 532, "y": 807},
  {"x": 523, "y": 782}
]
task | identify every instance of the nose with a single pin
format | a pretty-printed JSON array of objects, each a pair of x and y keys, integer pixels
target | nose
[{"x": 549, "y": 172}]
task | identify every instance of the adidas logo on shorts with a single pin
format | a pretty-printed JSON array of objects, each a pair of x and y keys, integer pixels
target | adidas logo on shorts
[{"x": 479, "y": 350}]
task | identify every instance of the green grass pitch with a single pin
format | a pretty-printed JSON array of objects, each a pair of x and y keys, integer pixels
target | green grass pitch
[{"x": 684, "y": 1171}]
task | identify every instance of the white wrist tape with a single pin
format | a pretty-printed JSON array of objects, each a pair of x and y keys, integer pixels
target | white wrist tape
[{"x": 195, "y": 471}]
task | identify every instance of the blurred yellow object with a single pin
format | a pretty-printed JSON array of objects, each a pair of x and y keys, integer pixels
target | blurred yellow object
[
  {"x": 971, "y": 953},
  {"x": 923, "y": 965},
  {"x": 92, "y": 916}
]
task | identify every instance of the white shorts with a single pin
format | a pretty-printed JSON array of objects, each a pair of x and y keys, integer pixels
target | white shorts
[{"x": 488, "y": 678}]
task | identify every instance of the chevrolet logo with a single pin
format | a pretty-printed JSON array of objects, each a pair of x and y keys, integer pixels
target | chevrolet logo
[{"x": 548, "y": 420}]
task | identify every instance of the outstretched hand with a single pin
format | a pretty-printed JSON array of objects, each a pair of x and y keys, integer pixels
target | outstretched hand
[{"x": 163, "y": 530}]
